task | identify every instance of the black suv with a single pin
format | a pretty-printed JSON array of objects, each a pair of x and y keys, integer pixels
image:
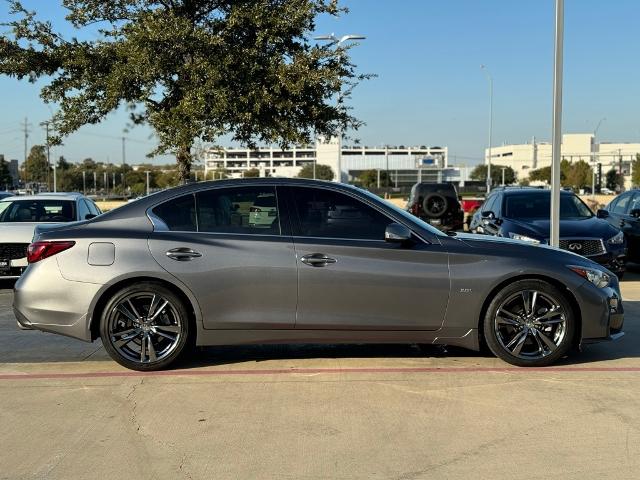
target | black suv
[
  {"x": 437, "y": 204},
  {"x": 523, "y": 214}
]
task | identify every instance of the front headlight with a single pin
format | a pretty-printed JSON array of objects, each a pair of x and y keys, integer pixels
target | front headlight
[
  {"x": 595, "y": 276},
  {"x": 617, "y": 239},
  {"x": 524, "y": 238}
]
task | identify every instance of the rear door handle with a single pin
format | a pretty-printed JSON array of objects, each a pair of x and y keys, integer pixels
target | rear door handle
[
  {"x": 317, "y": 260},
  {"x": 183, "y": 254}
]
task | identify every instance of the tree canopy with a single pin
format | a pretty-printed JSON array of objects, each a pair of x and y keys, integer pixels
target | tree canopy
[
  {"x": 577, "y": 174},
  {"x": 192, "y": 70},
  {"x": 323, "y": 172},
  {"x": 480, "y": 173}
]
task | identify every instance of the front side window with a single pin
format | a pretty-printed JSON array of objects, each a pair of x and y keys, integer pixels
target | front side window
[
  {"x": 241, "y": 210},
  {"x": 621, "y": 206},
  {"x": 38, "y": 211},
  {"x": 178, "y": 214},
  {"x": 83, "y": 209},
  {"x": 329, "y": 214}
]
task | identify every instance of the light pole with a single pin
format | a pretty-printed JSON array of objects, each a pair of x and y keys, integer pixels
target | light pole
[
  {"x": 84, "y": 182},
  {"x": 147, "y": 173},
  {"x": 556, "y": 141},
  {"x": 334, "y": 40},
  {"x": 490, "y": 79},
  {"x": 503, "y": 169},
  {"x": 593, "y": 160}
]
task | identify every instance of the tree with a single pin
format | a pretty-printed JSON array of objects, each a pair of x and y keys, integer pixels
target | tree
[
  {"x": 369, "y": 178},
  {"x": 544, "y": 174},
  {"x": 480, "y": 173},
  {"x": 579, "y": 174},
  {"x": 251, "y": 173},
  {"x": 192, "y": 70},
  {"x": 6, "y": 181},
  {"x": 614, "y": 181},
  {"x": 323, "y": 172},
  {"x": 635, "y": 174},
  {"x": 36, "y": 165}
]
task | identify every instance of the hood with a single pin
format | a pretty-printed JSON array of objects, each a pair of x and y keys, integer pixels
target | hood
[
  {"x": 518, "y": 246},
  {"x": 593, "y": 227},
  {"x": 18, "y": 232}
]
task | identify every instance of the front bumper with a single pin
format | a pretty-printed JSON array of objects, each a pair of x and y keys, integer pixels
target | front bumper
[{"x": 602, "y": 312}]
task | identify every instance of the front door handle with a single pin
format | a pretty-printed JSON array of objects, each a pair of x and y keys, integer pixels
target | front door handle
[
  {"x": 183, "y": 254},
  {"x": 317, "y": 260}
]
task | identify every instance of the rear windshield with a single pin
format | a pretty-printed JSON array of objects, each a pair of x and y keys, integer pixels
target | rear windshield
[
  {"x": 538, "y": 205},
  {"x": 37, "y": 211}
]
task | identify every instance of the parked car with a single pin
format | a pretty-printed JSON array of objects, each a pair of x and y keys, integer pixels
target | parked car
[
  {"x": 470, "y": 205},
  {"x": 623, "y": 212},
  {"x": 523, "y": 214},
  {"x": 437, "y": 204},
  {"x": 263, "y": 212},
  {"x": 156, "y": 276},
  {"x": 19, "y": 217}
]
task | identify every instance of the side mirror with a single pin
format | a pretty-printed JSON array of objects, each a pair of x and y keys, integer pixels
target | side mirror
[
  {"x": 635, "y": 212},
  {"x": 89, "y": 216},
  {"x": 602, "y": 213},
  {"x": 396, "y": 233},
  {"x": 489, "y": 215}
]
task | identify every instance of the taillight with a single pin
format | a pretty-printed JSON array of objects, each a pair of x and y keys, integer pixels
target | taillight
[
  {"x": 415, "y": 209},
  {"x": 40, "y": 250}
]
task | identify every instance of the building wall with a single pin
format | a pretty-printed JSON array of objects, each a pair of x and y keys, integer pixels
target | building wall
[
  {"x": 287, "y": 163},
  {"x": 580, "y": 146}
]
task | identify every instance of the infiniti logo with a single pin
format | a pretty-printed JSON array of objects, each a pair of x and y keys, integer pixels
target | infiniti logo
[{"x": 575, "y": 246}]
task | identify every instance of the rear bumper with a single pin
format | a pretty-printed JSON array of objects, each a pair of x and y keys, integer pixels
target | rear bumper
[{"x": 44, "y": 300}]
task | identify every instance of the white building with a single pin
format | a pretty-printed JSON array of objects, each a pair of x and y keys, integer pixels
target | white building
[
  {"x": 575, "y": 146},
  {"x": 401, "y": 161}
]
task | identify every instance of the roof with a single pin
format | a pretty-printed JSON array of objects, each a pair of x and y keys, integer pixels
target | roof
[
  {"x": 47, "y": 196},
  {"x": 528, "y": 191}
]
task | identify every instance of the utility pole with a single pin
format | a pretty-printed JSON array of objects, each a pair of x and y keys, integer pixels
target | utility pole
[
  {"x": 147, "y": 173},
  {"x": 556, "y": 142},
  {"x": 46, "y": 126},
  {"x": 25, "y": 129},
  {"x": 95, "y": 183},
  {"x": 106, "y": 184},
  {"x": 84, "y": 182},
  {"x": 503, "y": 169}
]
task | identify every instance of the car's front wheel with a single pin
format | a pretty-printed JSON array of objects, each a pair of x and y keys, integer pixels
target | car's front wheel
[
  {"x": 145, "y": 326},
  {"x": 529, "y": 323}
]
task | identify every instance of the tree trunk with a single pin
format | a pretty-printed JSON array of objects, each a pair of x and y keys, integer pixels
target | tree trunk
[{"x": 184, "y": 159}]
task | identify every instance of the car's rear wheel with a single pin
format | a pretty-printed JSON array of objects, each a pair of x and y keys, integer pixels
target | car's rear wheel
[
  {"x": 145, "y": 327},
  {"x": 529, "y": 323}
]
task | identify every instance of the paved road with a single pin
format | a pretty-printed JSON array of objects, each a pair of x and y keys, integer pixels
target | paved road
[{"x": 314, "y": 412}]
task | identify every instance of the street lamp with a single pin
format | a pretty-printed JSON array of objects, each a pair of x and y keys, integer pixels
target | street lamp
[
  {"x": 490, "y": 79},
  {"x": 334, "y": 40},
  {"x": 593, "y": 161},
  {"x": 556, "y": 141}
]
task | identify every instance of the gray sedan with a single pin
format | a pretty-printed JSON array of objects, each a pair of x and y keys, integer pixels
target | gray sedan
[{"x": 327, "y": 263}]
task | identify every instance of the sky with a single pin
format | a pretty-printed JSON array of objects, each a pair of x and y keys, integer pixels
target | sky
[{"x": 429, "y": 89}]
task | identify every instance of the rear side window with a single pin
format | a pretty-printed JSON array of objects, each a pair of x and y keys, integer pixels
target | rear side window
[
  {"x": 241, "y": 210},
  {"x": 179, "y": 214}
]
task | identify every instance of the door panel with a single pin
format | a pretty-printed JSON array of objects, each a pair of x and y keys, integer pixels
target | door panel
[
  {"x": 240, "y": 281},
  {"x": 372, "y": 285}
]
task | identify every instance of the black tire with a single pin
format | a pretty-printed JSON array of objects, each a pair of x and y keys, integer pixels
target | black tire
[
  {"x": 171, "y": 321},
  {"x": 533, "y": 338},
  {"x": 435, "y": 205}
]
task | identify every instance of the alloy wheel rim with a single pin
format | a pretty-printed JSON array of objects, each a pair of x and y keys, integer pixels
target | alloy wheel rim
[
  {"x": 144, "y": 327},
  {"x": 530, "y": 324}
]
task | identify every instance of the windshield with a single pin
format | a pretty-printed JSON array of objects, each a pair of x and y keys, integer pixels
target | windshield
[
  {"x": 37, "y": 211},
  {"x": 411, "y": 218},
  {"x": 539, "y": 205}
]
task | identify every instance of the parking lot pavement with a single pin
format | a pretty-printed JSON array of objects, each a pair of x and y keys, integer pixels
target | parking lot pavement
[{"x": 318, "y": 412}]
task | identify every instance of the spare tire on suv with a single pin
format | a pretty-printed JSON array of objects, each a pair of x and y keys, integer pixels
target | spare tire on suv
[{"x": 437, "y": 204}]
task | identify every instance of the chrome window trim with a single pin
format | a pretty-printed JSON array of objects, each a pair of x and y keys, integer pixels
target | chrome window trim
[{"x": 160, "y": 226}]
